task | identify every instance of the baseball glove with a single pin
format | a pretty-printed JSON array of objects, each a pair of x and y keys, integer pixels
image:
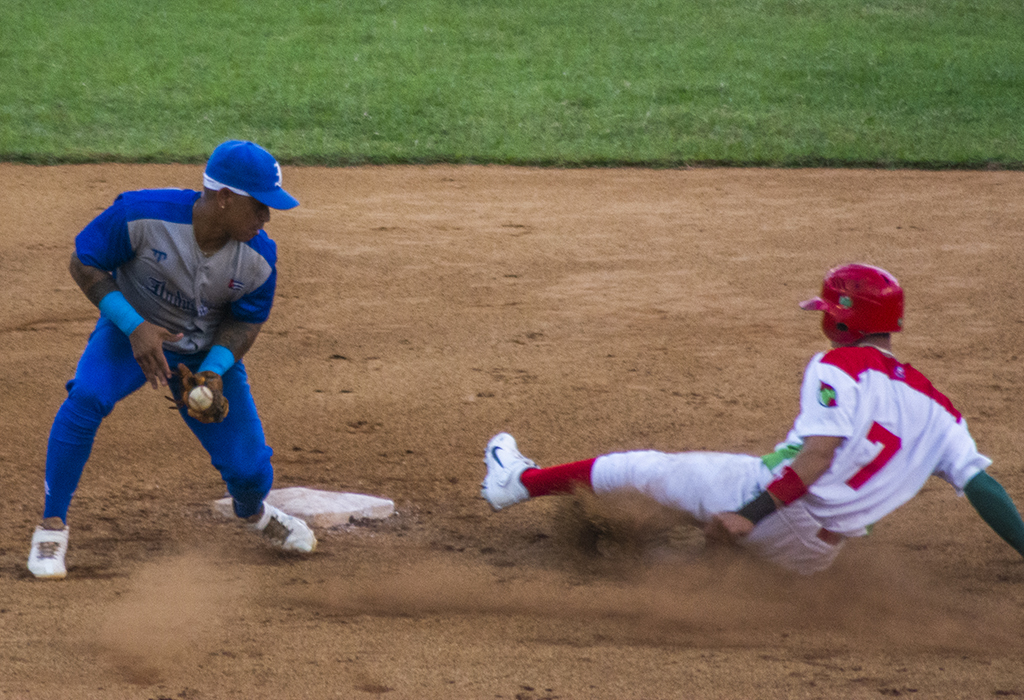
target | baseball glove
[{"x": 218, "y": 408}]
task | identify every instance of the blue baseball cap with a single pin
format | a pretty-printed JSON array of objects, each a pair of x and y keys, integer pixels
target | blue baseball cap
[{"x": 247, "y": 169}]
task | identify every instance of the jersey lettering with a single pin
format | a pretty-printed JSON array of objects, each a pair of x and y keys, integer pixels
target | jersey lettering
[
  {"x": 158, "y": 288},
  {"x": 890, "y": 445}
]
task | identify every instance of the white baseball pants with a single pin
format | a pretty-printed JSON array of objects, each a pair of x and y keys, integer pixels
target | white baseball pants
[{"x": 704, "y": 483}]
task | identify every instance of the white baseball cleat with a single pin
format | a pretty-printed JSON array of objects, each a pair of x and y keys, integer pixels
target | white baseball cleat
[
  {"x": 284, "y": 531},
  {"x": 502, "y": 486},
  {"x": 46, "y": 559}
]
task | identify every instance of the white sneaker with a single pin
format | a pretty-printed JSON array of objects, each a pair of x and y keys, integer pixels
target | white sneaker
[
  {"x": 46, "y": 559},
  {"x": 502, "y": 487},
  {"x": 284, "y": 531}
]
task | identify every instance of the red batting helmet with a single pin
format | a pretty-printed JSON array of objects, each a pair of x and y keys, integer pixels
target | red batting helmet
[{"x": 858, "y": 300}]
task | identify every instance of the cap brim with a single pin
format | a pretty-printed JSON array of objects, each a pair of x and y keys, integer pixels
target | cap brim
[
  {"x": 815, "y": 304},
  {"x": 276, "y": 199}
]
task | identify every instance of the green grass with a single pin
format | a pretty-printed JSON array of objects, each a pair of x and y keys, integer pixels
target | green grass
[{"x": 926, "y": 83}]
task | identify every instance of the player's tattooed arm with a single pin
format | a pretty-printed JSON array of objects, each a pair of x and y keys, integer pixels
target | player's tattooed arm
[
  {"x": 237, "y": 336},
  {"x": 94, "y": 282},
  {"x": 147, "y": 339}
]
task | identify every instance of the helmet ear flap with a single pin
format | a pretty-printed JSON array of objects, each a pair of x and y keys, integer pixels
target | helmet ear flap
[
  {"x": 858, "y": 300},
  {"x": 837, "y": 331}
]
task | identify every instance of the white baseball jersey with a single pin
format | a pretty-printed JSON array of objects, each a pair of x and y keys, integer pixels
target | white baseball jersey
[
  {"x": 146, "y": 239},
  {"x": 898, "y": 429}
]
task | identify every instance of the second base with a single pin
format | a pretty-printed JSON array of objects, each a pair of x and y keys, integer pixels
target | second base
[{"x": 320, "y": 508}]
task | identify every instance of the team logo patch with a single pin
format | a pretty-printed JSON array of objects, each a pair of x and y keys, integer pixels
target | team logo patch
[
  {"x": 235, "y": 284},
  {"x": 827, "y": 395}
]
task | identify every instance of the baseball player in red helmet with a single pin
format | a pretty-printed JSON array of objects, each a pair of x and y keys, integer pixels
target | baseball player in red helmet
[{"x": 870, "y": 431}]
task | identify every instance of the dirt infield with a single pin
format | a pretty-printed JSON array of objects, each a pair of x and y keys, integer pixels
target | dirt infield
[{"x": 420, "y": 310}]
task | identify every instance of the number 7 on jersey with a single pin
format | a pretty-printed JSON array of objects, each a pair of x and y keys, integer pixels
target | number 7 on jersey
[{"x": 890, "y": 445}]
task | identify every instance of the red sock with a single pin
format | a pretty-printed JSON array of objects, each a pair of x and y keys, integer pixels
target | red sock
[{"x": 561, "y": 479}]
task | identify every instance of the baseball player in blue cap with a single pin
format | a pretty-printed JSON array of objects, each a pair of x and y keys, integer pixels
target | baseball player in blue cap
[{"x": 184, "y": 280}]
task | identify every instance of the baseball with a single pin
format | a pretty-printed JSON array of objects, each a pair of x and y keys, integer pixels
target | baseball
[{"x": 200, "y": 398}]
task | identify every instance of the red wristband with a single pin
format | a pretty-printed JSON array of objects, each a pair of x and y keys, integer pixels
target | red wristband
[{"x": 788, "y": 487}]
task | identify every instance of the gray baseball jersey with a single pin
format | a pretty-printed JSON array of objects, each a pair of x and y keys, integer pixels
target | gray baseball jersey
[{"x": 145, "y": 238}]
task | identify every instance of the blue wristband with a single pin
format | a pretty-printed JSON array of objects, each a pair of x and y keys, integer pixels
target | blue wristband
[
  {"x": 218, "y": 360},
  {"x": 115, "y": 308}
]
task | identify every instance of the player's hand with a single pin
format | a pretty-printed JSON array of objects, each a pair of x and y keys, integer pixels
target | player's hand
[
  {"x": 727, "y": 528},
  {"x": 148, "y": 348}
]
